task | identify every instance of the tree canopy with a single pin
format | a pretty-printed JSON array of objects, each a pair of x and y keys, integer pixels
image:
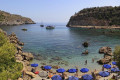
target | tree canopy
[{"x": 9, "y": 68}]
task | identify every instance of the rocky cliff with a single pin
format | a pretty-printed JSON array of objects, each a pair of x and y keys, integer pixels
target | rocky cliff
[
  {"x": 96, "y": 16},
  {"x": 12, "y": 19}
]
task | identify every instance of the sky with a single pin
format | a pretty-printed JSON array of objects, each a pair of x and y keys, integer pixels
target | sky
[{"x": 50, "y": 11}]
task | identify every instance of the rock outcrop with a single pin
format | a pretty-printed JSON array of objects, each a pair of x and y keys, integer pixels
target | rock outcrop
[
  {"x": 85, "y": 44},
  {"x": 86, "y": 52},
  {"x": 107, "y": 51},
  {"x": 23, "y": 57},
  {"x": 96, "y": 16},
  {"x": 8, "y": 19}
]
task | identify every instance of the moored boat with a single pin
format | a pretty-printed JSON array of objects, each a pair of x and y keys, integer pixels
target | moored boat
[
  {"x": 42, "y": 25},
  {"x": 50, "y": 27}
]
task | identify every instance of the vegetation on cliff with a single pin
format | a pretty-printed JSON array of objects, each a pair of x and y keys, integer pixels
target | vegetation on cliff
[
  {"x": 96, "y": 16},
  {"x": 117, "y": 55},
  {"x": 12, "y": 19},
  {"x": 9, "y": 68}
]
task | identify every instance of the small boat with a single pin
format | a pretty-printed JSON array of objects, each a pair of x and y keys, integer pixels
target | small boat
[
  {"x": 42, "y": 25},
  {"x": 50, "y": 27},
  {"x": 24, "y": 29}
]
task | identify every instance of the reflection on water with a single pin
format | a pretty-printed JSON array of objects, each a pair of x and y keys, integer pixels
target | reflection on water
[{"x": 63, "y": 46}]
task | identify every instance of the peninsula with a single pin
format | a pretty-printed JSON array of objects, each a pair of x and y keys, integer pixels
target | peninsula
[
  {"x": 8, "y": 19},
  {"x": 96, "y": 17}
]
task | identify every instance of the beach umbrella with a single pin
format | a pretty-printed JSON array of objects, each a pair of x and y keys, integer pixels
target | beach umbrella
[
  {"x": 72, "y": 70},
  {"x": 61, "y": 70},
  {"x": 114, "y": 63},
  {"x": 73, "y": 78},
  {"x": 107, "y": 66},
  {"x": 104, "y": 73},
  {"x": 87, "y": 77},
  {"x": 56, "y": 77},
  {"x": 34, "y": 65},
  {"x": 47, "y": 67},
  {"x": 84, "y": 70},
  {"x": 115, "y": 70},
  {"x": 43, "y": 74}
]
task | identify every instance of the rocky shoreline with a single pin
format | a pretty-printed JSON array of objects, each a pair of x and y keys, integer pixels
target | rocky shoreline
[
  {"x": 23, "y": 57},
  {"x": 95, "y": 27},
  {"x": 7, "y": 19},
  {"x": 107, "y": 51}
]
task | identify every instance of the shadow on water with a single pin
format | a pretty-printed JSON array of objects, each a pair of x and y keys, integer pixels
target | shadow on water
[{"x": 94, "y": 32}]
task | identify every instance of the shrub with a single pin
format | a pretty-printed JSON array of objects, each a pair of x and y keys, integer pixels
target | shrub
[
  {"x": 9, "y": 68},
  {"x": 116, "y": 55}
]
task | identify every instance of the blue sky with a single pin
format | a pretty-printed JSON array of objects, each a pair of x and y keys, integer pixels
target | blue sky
[{"x": 51, "y": 10}]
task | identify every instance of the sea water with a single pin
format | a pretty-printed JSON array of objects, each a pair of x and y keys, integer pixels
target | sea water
[{"x": 65, "y": 43}]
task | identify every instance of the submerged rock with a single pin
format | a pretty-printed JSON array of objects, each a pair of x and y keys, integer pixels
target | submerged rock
[
  {"x": 43, "y": 63},
  {"x": 56, "y": 58},
  {"x": 63, "y": 63},
  {"x": 55, "y": 66},
  {"x": 69, "y": 57},
  {"x": 39, "y": 57},
  {"x": 86, "y": 52}
]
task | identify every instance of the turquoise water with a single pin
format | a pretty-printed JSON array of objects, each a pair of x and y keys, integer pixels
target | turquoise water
[{"x": 65, "y": 43}]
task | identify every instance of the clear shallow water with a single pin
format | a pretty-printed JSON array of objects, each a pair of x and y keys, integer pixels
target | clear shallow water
[{"x": 64, "y": 42}]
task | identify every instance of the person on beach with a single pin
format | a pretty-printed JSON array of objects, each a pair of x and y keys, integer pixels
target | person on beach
[
  {"x": 86, "y": 62},
  {"x": 95, "y": 70},
  {"x": 33, "y": 70},
  {"x": 50, "y": 75},
  {"x": 92, "y": 60},
  {"x": 102, "y": 68},
  {"x": 76, "y": 72},
  {"x": 23, "y": 73},
  {"x": 63, "y": 76}
]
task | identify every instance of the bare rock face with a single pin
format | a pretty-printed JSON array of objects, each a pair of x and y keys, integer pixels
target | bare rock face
[
  {"x": 20, "y": 79},
  {"x": 19, "y": 47},
  {"x": 85, "y": 44},
  {"x": 106, "y": 50},
  {"x": 30, "y": 74},
  {"x": 19, "y": 57},
  {"x": 105, "y": 60},
  {"x": 27, "y": 56}
]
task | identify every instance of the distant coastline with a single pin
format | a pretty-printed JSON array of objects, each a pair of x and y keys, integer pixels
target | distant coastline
[
  {"x": 7, "y": 19},
  {"x": 97, "y": 17}
]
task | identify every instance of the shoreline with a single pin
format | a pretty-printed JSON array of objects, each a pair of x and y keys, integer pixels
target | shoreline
[{"x": 94, "y": 27}]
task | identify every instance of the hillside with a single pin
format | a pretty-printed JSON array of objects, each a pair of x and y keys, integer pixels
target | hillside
[
  {"x": 96, "y": 16},
  {"x": 12, "y": 19}
]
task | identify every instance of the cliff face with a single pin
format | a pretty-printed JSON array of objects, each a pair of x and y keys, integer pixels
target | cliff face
[
  {"x": 96, "y": 16},
  {"x": 12, "y": 19}
]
